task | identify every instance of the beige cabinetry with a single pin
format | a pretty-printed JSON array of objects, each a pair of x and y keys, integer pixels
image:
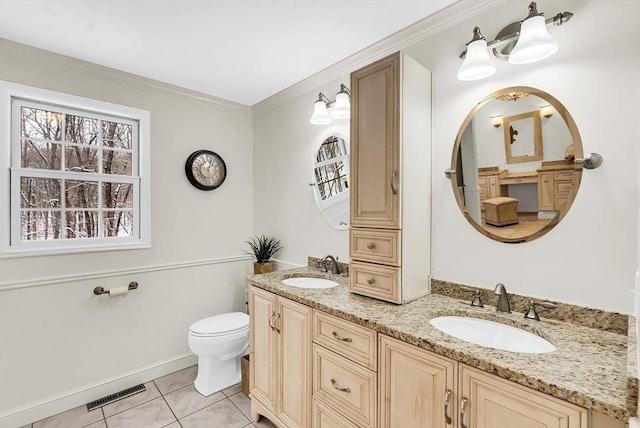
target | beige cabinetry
[
  {"x": 490, "y": 402},
  {"x": 280, "y": 359},
  {"x": 490, "y": 185},
  {"x": 390, "y": 179},
  {"x": 421, "y": 389},
  {"x": 344, "y": 373},
  {"x": 416, "y": 387},
  {"x": 555, "y": 187}
]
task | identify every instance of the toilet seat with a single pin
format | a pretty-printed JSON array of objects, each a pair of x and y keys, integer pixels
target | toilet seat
[{"x": 220, "y": 325}]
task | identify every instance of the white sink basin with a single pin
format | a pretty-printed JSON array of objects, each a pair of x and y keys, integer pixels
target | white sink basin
[
  {"x": 492, "y": 334},
  {"x": 309, "y": 282}
]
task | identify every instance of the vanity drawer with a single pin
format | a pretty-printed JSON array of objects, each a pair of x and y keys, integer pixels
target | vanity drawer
[
  {"x": 345, "y": 338},
  {"x": 563, "y": 188},
  {"x": 325, "y": 417},
  {"x": 380, "y": 282},
  {"x": 378, "y": 246},
  {"x": 344, "y": 385},
  {"x": 563, "y": 175}
]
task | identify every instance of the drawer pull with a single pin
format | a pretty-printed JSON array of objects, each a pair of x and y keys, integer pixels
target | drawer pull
[
  {"x": 333, "y": 383},
  {"x": 275, "y": 320},
  {"x": 273, "y": 314},
  {"x": 342, "y": 339},
  {"x": 463, "y": 409},
  {"x": 370, "y": 281},
  {"x": 371, "y": 245},
  {"x": 447, "y": 400}
]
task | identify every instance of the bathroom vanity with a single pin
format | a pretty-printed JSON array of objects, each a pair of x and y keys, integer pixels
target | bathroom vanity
[{"x": 331, "y": 358}]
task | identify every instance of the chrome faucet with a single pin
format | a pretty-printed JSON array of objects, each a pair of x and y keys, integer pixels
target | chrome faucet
[
  {"x": 503, "y": 299},
  {"x": 334, "y": 266}
]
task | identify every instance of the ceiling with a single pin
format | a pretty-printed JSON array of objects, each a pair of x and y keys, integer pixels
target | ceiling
[{"x": 240, "y": 50}]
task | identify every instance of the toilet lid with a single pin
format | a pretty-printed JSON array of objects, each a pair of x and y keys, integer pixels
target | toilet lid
[{"x": 221, "y": 324}]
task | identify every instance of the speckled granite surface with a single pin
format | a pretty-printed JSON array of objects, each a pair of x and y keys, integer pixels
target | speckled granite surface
[
  {"x": 588, "y": 317},
  {"x": 589, "y": 368}
]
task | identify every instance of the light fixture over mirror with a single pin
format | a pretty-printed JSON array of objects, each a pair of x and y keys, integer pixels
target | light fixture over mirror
[
  {"x": 341, "y": 107},
  {"x": 520, "y": 42}
]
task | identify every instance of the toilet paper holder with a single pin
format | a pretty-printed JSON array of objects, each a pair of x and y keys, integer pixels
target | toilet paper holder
[{"x": 100, "y": 289}]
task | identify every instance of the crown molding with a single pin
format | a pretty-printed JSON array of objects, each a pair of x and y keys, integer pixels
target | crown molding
[
  {"x": 421, "y": 30},
  {"x": 22, "y": 52}
]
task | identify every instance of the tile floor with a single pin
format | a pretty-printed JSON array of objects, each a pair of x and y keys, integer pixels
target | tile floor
[
  {"x": 170, "y": 401},
  {"x": 528, "y": 223}
]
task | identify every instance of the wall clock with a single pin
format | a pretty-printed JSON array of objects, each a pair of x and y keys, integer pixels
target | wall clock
[{"x": 205, "y": 169}]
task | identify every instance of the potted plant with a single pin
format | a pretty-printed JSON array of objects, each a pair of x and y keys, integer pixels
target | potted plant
[{"x": 262, "y": 249}]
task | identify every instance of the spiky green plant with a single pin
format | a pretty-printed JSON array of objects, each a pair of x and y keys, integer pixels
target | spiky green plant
[{"x": 263, "y": 247}]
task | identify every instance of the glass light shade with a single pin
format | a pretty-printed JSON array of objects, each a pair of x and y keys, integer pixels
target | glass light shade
[
  {"x": 535, "y": 42},
  {"x": 477, "y": 64},
  {"x": 320, "y": 115},
  {"x": 342, "y": 107}
]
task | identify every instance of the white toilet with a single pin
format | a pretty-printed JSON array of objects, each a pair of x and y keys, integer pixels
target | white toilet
[{"x": 219, "y": 342}]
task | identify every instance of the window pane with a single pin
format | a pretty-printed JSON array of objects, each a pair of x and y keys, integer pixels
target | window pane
[
  {"x": 41, "y": 124},
  {"x": 39, "y": 225},
  {"x": 81, "y": 194},
  {"x": 39, "y": 192},
  {"x": 116, "y": 162},
  {"x": 117, "y": 135},
  {"x": 81, "y": 159},
  {"x": 118, "y": 223},
  {"x": 40, "y": 154},
  {"x": 117, "y": 195},
  {"x": 81, "y": 224},
  {"x": 81, "y": 130}
]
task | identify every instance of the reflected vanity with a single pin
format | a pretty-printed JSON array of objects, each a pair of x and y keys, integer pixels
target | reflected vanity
[
  {"x": 515, "y": 175},
  {"x": 331, "y": 180}
]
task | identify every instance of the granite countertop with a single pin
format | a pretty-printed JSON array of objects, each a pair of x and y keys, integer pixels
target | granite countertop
[{"x": 590, "y": 367}]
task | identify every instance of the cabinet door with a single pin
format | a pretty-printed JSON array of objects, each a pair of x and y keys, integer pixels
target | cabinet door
[
  {"x": 545, "y": 191},
  {"x": 294, "y": 363},
  {"x": 375, "y": 146},
  {"x": 262, "y": 306},
  {"x": 491, "y": 402},
  {"x": 416, "y": 387}
]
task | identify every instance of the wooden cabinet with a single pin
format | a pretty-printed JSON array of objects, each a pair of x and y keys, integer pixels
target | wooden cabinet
[
  {"x": 390, "y": 175},
  {"x": 490, "y": 402},
  {"x": 344, "y": 374},
  {"x": 416, "y": 387},
  {"x": 280, "y": 359},
  {"x": 555, "y": 188}
]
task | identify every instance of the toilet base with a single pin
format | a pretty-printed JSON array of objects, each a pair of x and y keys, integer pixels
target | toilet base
[{"x": 214, "y": 376}]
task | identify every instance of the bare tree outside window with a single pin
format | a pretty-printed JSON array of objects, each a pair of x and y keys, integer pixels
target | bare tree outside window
[{"x": 75, "y": 183}]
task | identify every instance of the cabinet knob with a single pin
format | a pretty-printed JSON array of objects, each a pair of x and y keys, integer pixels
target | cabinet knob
[
  {"x": 370, "y": 281},
  {"x": 371, "y": 245}
]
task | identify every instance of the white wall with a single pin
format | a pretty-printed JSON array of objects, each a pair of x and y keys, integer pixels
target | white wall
[
  {"x": 285, "y": 146},
  {"x": 56, "y": 337},
  {"x": 590, "y": 257}
]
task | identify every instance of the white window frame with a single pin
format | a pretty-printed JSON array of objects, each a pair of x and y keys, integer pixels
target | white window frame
[
  {"x": 335, "y": 199},
  {"x": 10, "y": 244}
]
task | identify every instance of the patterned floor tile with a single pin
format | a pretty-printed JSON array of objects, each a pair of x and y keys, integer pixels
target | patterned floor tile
[
  {"x": 177, "y": 380},
  {"x": 150, "y": 393},
  {"x": 152, "y": 414},
  {"x": 187, "y": 400},
  {"x": 232, "y": 390},
  {"x": 218, "y": 415},
  {"x": 75, "y": 418},
  {"x": 244, "y": 404}
]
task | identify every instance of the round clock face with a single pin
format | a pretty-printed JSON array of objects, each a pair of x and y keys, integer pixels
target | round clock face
[{"x": 205, "y": 169}]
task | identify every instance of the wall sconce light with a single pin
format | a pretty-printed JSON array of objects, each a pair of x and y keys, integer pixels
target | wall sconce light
[
  {"x": 520, "y": 42},
  {"x": 496, "y": 121},
  {"x": 546, "y": 111},
  {"x": 341, "y": 107}
]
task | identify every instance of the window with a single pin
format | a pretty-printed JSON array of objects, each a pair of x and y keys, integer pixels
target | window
[
  {"x": 330, "y": 168},
  {"x": 77, "y": 177}
]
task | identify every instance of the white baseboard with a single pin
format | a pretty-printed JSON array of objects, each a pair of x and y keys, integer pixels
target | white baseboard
[{"x": 35, "y": 411}]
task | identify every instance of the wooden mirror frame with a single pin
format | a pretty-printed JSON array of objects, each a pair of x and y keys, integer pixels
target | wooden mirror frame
[
  {"x": 509, "y": 137},
  {"x": 576, "y": 143}
]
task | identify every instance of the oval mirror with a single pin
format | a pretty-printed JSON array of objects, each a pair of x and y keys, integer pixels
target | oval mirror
[
  {"x": 331, "y": 180},
  {"x": 515, "y": 176}
]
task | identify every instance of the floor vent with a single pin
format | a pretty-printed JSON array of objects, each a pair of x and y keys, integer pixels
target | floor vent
[{"x": 115, "y": 397}]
